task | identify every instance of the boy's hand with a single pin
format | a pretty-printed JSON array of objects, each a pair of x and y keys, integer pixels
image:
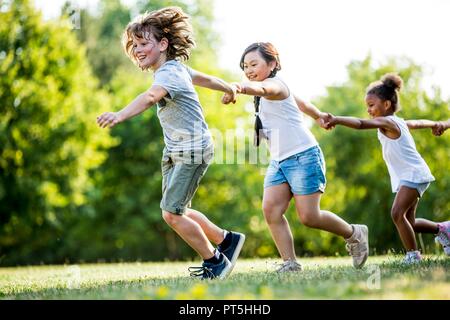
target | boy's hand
[
  {"x": 108, "y": 119},
  {"x": 228, "y": 98}
]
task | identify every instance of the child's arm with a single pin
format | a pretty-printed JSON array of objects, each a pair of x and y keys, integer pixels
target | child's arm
[
  {"x": 421, "y": 124},
  {"x": 141, "y": 103},
  {"x": 267, "y": 88},
  {"x": 437, "y": 127},
  {"x": 312, "y": 111},
  {"x": 214, "y": 83},
  {"x": 308, "y": 108},
  {"x": 360, "y": 124}
]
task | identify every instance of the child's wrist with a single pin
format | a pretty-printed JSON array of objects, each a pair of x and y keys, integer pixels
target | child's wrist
[
  {"x": 320, "y": 115},
  {"x": 119, "y": 116}
]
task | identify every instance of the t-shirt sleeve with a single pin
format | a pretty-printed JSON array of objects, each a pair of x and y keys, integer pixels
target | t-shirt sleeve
[
  {"x": 190, "y": 71},
  {"x": 170, "y": 79}
]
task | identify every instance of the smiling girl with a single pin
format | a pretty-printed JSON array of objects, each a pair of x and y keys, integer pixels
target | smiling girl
[
  {"x": 297, "y": 166},
  {"x": 410, "y": 175}
]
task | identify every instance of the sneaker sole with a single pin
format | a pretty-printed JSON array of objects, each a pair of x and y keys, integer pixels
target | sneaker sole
[
  {"x": 237, "y": 251},
  {"x": 225, "y": 272}
]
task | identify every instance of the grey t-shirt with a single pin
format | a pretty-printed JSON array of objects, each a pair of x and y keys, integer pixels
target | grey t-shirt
[{"x": 180, "y": 112}]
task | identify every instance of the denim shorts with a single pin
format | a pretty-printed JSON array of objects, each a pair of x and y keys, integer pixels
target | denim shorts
[
  {"x": 420, "y": 187},
  {"x": 304, "y": 172}
]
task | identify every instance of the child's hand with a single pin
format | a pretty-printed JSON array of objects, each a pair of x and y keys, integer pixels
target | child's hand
[
  {"x": 231, "y": 96},
  {"x": 321, "y": 120},
  {"x": 327, "y": 121},
  {"x": 228, "y": 98},
  {"x": 439, "y": 128},
  {"x": 108, "y": 119},
  {"x": 238, "y": 87}
]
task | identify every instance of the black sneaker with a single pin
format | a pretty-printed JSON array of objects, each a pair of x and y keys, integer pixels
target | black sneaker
[
  {"x": 210, "y": 270},
  {"x": 234, "y": 248}
]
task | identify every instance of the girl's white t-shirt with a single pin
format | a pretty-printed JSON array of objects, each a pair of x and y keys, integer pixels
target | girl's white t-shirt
[
  {"x": 401, "y": 157},
  {"x": 284, "y": 127}
]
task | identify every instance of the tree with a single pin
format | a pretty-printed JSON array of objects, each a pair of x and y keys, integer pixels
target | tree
[{"x": 48, "y": 137}]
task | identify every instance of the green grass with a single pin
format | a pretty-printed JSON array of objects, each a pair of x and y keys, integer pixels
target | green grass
[{"x": 321, "y": 278}]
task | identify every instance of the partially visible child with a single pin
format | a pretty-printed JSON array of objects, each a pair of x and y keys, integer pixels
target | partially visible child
[
  {"x": 410, "y": 175},
  {"x": 437, "y": 127},
  {"x": 158, "y": 41}
]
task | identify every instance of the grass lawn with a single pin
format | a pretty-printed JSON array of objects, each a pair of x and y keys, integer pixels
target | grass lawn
[{"x": 383, "y": 277}]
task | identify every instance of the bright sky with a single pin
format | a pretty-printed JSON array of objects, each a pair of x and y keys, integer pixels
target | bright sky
[{"x": 317, "y": 39}]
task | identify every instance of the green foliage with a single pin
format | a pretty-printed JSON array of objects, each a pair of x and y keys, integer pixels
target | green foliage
[
  {"x": 70, "y": 191},
  {"x": 101, "y": 34},
  {"x": 48, "y": 139}
]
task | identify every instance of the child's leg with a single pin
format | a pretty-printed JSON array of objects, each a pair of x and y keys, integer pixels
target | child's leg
[
  {"x": 275, "y": 203},
  {"x": 191, "y": 232},
  {"x": 420, "y": 225},
  {"x": 405, "y": 202},
  {"x": 213, "y": 232},
  {"x": 308, "y": 210},
  {"x": 425, "y": 226},
  {"x": 356, "y": 236}
]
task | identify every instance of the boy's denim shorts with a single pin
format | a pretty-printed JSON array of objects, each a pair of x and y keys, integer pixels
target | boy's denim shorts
[
  {"x": 420, "y": 187},
  {"x": 304, "y": 172},
  {"x": 182, "y": 173}
]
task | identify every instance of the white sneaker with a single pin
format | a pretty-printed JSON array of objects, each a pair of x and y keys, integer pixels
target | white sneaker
[
  {"x": 358, "y": 245},
  {"x": 289, "y": 266},
  {"x": 412, "y": 257}
]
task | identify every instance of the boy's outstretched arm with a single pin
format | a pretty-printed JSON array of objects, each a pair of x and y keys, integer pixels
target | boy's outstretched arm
[
  {"x": 141, "y": 103},
  {"x": 214, "y": 83}
]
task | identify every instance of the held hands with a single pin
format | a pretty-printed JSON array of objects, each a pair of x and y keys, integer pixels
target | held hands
[
  {"x": 229, "y": 97},
  {"x": 108, "y": 119},
  {"x": 326, "y": 121}
]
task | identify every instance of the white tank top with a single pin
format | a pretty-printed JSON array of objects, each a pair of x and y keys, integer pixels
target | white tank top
[
  {"x": 284, "y": 127},
  {"x": 401, "y": 157}
]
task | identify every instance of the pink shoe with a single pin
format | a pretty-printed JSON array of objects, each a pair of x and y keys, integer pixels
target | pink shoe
[
  {"x": 412, "y": 257},
  {"x": 443, "y": 236}
]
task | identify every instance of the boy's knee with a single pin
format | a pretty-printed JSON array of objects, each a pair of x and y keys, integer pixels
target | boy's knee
[
  {"x": 169, "y": 217},
  {"x": 271, "y": 213}
]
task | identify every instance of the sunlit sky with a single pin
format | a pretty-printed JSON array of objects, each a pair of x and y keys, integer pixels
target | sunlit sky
[{"x": 317, "y": 39}]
